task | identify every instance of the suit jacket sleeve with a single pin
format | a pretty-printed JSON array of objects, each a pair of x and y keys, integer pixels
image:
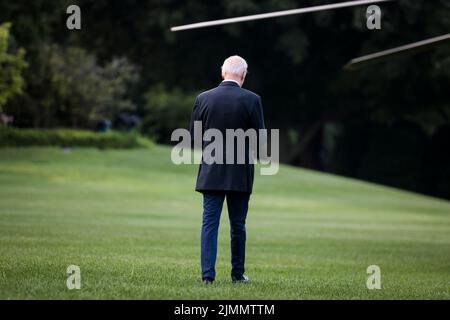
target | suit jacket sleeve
[
  {"x": 257, "y": 123},
  {"x": 257, "y": 115},
  {"x": 194, "y": 117}
]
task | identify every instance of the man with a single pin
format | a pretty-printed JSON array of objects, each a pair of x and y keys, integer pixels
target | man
[{"x": 228, "y": 106}]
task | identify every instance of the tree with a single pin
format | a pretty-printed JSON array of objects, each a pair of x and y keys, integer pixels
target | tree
[
  {"x": 11, "y": 68},
  {"x": 69, "y": 88}
]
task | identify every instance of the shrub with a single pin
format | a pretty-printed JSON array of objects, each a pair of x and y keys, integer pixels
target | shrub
[
  {"x": 12, "y": 137},
  {"x": 166, "y": 111}
]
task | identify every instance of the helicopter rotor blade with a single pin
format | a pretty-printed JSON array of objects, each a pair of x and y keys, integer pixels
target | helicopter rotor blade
[
  {"x": 411, "y": 47},
  {"x": 275, "y": 14}
]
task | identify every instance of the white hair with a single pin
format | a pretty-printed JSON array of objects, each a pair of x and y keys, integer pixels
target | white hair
[{"x": 235, "y": 65}]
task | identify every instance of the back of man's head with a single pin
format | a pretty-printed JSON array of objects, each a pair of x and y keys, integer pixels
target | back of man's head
[{"x": 234, "y": 68}]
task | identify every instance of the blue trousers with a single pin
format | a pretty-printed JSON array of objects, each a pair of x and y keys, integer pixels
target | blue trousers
[{"x": 237, "y": 203}]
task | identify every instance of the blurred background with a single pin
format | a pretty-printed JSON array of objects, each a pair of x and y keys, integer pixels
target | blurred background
[{"x": 125, "y": 76}]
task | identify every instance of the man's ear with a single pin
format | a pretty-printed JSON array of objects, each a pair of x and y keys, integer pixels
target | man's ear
[{"x": 243, "y": 78}]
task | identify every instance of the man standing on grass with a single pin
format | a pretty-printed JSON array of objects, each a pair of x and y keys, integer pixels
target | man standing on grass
[{"x": 227, "y": 106}]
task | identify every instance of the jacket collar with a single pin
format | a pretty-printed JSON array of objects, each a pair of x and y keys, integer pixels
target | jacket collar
[{"x": 229, "y": 83}]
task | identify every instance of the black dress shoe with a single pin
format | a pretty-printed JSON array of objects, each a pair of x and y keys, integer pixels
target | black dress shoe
[
  {"x": 207, "y": 281},
  {"x": 243, "y": 279}
]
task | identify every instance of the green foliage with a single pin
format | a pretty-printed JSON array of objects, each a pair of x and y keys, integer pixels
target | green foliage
[
  {"x": 11, "y": 68},
  {"x": 295, "y": 64},
  {"x": 10, "y": 137},
  {"x": 116, "y": 79},
  {"x": 166, "y": 111},
  {"x": 76, "y": 91}
]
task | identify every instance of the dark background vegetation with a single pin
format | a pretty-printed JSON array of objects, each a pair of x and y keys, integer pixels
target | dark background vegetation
[{"x": 387, "y": 122}]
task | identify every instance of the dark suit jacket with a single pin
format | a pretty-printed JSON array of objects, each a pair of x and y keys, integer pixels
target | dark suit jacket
[{"x": 227, "y": 107}]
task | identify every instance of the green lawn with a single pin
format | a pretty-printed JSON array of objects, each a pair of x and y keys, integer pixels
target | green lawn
[{"x": 131, "y": 221}]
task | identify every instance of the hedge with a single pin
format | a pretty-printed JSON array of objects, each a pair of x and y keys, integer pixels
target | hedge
[{"x": 13, "y": 137}]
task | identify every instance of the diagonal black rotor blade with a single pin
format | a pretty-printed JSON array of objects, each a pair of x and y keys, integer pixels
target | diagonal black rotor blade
[{"x": 411, "y": 47}]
